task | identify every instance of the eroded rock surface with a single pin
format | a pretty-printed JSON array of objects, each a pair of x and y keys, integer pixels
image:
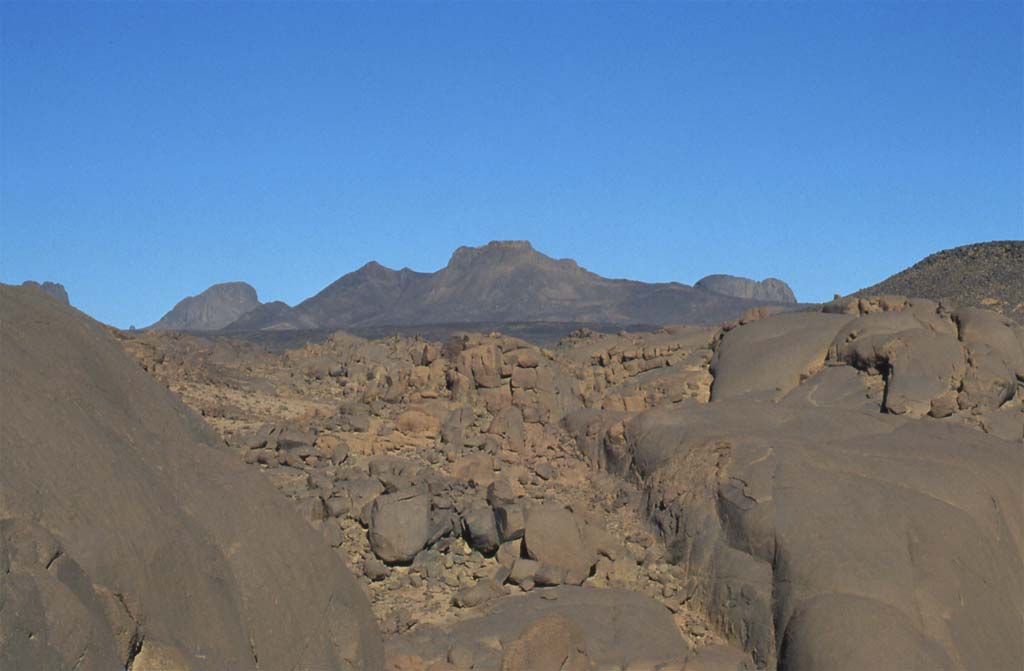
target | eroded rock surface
[{"x": 132, "y": 537}]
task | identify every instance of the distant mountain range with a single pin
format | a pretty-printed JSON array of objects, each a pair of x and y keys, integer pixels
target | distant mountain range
[
  {"x": 987, "y": 274},
  {"x": 498, "y": 283}
]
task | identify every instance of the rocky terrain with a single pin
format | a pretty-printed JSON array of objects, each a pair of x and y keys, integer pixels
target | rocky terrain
[
  {"x": 504, "y": 283},
  {"x": 984, "y": 275},
  {"x": 836, "y": 489}
]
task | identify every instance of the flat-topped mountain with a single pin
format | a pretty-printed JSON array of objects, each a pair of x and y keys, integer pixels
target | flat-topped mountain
[
  {"x": 512, "y": 282},
  {"x": 987, "y": 274},
  {"x": 211, "y": 310},
  {"x": 770, "y": 289},
  {"x": 498, "y": 283}
]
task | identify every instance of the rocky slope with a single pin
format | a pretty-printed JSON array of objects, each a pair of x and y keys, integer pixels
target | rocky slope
[
  {"x": 834, "y": 489},
  {"x": 213, "y": 309},
  {"x": 130, "y": 537},
  {"x": 984, "y": 275}
]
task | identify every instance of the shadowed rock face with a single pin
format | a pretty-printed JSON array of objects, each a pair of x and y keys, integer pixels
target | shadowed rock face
[
  {"x": 502, "y": 282},
  {"x": 770, "y": 289},
  {"x": 213, "y": 309},
  {"x": 132, "y": 538},
  {"x": 984, "y": 275}
]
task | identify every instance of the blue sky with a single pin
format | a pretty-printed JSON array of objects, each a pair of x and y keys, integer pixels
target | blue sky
[{"x": 150, "y": 150}]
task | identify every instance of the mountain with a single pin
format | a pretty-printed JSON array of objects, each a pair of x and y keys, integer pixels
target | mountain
[
  {"x": 360, "y": 296},
  {"x": 986, "y": 274},
  {"x": 770, "y": 289},
  {"x": 500, "y": 282},
  {"x": 54, "y": 290},
  {"x": 273, "y": 316},
  {"x": 211, "y": 310}
]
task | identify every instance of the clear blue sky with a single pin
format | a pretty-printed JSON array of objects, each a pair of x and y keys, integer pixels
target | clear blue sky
[{"x": 150, "y": 150}]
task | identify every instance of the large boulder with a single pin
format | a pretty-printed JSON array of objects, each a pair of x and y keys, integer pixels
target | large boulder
[
  {"x": 614, "y": 628},
  {"x": 206, "y": 562},
  {"x": 418, "y": 423},
  {"x": 507, "y": 425},
  {"x": 399, "y": 525},
  {"x": 553, "y": 537},
  {"x": 481, "y": 529},
  {"x": 552, "y": 643}
]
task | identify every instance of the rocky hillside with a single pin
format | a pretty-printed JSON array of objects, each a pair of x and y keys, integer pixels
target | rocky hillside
[
  {"x": 213, "y": 309},
  {"x": 987, "y": 274}
]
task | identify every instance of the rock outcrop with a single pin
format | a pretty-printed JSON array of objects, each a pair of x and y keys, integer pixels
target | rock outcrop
[
  {"x": 561, "y": 628},
  {"x": 132, "y": 538},
  {"x": 52, "y": 289},
  {"x": 819, "y": 532}
]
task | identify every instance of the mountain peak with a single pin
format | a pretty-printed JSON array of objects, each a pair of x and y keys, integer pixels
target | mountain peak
[
  {"x": 372, "y": 266},
  {"x": 213, "y": 309}
]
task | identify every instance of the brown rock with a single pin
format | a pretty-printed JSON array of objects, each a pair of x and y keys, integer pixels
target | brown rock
[
  {"x": 550, "y": 644},
  {"x": 399, "y": 526},
  {"x": 508, "y": 425},
  {"x": 418, "y": 423},
  {"x": 553, "y": 537},
  {"x": 477, "y": 469}
]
